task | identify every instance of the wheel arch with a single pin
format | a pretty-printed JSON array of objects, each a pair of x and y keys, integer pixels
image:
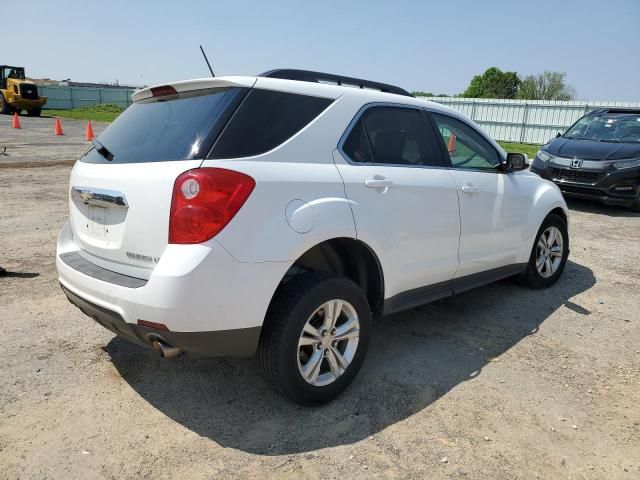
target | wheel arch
[
  {"x": 548, "y": 200},
  {"x": 561, "y": 213},
  {"x": 347, "y": 257}
]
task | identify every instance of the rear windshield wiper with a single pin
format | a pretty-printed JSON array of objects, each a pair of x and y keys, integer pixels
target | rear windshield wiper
[{"x": 102, "y": 150}]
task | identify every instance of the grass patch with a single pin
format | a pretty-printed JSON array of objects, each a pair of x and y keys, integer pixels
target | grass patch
[
  {"x": 527, "y": 148},
  {"x": 95, "y": 113}
]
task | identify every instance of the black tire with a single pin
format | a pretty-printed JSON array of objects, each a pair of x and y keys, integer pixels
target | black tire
[
  {"x": 278, "y": 352},
  {"x": 5, "y": 108},
  {"x": 532, "y": 277},
  {"x": 636, "y": 206},
  {"x": 35, "y": 112}
]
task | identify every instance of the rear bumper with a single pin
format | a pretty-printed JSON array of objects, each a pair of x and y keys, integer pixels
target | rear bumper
[
  {"x": 620, "y": 188},
  {"x": 234, "y": 343},
  {"x": 211, "y": 304}
]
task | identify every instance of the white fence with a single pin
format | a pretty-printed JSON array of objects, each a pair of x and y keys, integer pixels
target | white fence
[{"x": 524, "y": 121}]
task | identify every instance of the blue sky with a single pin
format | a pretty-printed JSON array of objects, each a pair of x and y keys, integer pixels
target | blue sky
[{"x": 420, "y": 45}]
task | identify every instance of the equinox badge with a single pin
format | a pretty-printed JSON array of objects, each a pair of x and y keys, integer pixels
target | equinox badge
[{"x": 143, "y": 258}]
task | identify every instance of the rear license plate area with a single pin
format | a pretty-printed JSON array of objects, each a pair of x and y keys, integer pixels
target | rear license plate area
[{"x": 97, "y": 220}]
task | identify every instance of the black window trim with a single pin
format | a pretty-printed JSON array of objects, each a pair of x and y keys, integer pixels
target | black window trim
[
  {"x": 443, "y": 148},
  {"x": 444, "y": 158},
  {"x": 358, "y": 116}
]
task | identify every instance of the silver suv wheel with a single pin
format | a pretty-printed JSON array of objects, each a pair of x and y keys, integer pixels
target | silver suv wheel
[
  {"x": 328, "y": 342},
  {"x": 549, "y": 252},
  {"x": 315, "y": 337}
]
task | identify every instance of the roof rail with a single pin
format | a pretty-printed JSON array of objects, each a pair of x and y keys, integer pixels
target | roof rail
[{"x": 319, "y": 77}]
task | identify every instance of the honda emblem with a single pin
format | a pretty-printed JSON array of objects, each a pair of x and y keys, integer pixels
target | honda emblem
[{"x": 576, "y": 163}]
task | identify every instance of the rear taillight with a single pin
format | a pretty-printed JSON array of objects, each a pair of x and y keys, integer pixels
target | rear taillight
[{"x": 204, "y": 201}]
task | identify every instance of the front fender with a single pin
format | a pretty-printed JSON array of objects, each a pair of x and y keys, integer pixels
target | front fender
[{"x": 547, "y": 198}]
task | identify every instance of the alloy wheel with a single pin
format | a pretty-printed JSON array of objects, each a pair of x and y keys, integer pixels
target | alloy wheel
[
  {"x": 549, "y": 252},
  {"x": 328, "y": 342}
]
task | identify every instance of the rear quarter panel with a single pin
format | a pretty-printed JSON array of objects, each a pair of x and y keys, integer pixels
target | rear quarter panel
[
  {"x": 261, "y": 231},
  {"x": 300, "y": 170}
]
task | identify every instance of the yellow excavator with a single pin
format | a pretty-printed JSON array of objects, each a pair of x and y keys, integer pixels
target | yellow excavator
[{"x": 17, "y": 93}]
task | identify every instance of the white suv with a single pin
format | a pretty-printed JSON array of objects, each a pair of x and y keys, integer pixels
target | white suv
[{"x": 280, "y": 214}]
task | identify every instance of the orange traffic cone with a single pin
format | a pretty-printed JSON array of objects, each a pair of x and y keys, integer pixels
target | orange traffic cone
[
  {"x": 452, "y": 143},
  {"x": 16, "y": 120},
  {"x": 89, "y": 135},
  {"x": 58, "y": 128}
]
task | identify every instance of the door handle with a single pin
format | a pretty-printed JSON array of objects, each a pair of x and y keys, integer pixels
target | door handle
[
  {"x": 469, "y": 188},
  {"x": 379, "y": 182}
]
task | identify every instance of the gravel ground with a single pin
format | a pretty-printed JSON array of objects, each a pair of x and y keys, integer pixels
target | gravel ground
[
  {"x": 35, "y": 142},
  {"x": 500, "y": 382}
]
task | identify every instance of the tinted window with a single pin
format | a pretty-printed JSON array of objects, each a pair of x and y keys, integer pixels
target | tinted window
[
  {"x": 175, "y": 127},
  {"x": 356, "y": 146},
  {"x": 264, "y": 120},
  {"x": 392, "y": 136},
  {"x": 466, "y": 147}
]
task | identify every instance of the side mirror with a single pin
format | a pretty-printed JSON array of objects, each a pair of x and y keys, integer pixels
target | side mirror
[
  {"x": 558, "y": 134},
  {"x": 515, "y": 162}
]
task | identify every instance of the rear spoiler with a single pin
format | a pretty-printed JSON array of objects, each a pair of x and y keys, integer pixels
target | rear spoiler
[{"x": 197, "y": 84}]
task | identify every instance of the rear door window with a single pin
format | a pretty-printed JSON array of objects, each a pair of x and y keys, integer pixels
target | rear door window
[
  {"x": 392, "y": 136},
  {"x": 264, "y": 120},
  {"x": 176, "y": 127},
  {"x": 357, "y": 146}
]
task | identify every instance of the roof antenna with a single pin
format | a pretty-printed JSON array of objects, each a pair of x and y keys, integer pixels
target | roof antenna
[{"x": 207, "y": 60}]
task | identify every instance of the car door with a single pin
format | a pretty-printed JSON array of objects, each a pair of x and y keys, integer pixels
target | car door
[
  {"x": 493, "y": 204},
  {"x": 403, "y": 198}
]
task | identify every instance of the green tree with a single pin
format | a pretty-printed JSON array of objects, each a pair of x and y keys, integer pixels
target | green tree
[
  {"x": 493, "y": 83},
  {"x": 546, "y": 86}
]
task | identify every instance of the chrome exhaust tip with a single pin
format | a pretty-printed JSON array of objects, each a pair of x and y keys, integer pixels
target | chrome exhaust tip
[{"x": 165, "y": 350}]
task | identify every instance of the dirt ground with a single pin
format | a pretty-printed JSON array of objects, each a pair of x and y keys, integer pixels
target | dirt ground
[{"x": 500, "y": 382}]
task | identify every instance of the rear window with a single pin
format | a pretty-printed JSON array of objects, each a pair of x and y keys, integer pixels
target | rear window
[
  {"x": 177, "y": 127},
  {"x": 264, "y": 120}
]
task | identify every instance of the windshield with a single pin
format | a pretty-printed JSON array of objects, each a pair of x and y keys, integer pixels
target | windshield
[
  {"x": 177, "y": 127},
  {"x": 607, "y": 127}
]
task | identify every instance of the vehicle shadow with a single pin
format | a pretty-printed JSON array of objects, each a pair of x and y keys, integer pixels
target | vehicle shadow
[
  {"x": 8, "y": 274},
  {"x": 415, "y": 357},
  {"x": 596, "y": 207}
]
